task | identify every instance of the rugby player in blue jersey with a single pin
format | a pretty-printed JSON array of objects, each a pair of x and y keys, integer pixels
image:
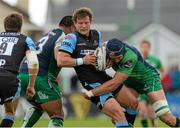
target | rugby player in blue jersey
[
  {"x": 14, "y": 46},
  {"x": 77, "y": 51}
]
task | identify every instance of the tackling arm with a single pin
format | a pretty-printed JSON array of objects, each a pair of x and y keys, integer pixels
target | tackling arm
[{"x": 108, "y": 86}]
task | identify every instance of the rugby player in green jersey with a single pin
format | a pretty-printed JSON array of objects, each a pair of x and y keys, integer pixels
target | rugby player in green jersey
[
  {"x": 134, "y": 72},
  {"x": 145, "y": 106},
  {"x": 48, "y": 94}
]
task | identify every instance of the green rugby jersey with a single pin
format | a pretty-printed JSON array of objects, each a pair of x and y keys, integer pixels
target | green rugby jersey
[
  {"x": 53, "y": 69},
  {"x": 135, "y": 66}
]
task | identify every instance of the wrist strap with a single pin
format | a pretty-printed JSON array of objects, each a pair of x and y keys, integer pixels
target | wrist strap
[{"x": 79, "y": 61}]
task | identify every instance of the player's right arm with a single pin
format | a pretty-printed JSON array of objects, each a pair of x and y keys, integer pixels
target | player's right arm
[
  {"x": 67, "y": 48},
  {"x": 57, "y": 45}
]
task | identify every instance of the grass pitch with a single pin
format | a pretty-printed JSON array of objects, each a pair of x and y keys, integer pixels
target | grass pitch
[{"x": 88, "y": 122}]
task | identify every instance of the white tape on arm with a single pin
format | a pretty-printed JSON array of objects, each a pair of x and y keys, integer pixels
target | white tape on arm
[
  {"x": 32, "y": 59},
  {"x": 87, "y": 93}
]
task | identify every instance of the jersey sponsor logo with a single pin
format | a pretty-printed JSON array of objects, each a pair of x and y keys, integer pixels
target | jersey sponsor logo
[
  {"x": 7, "y": 44},
  {"x": 42, "y": 95},
  {"x": 2, "y": 62},
  {"x": 87, "y": 51},
  {"x": 81, "y": 44},
  {"x": 146, "y": 87},
  {"x": 9, "y": 39},
  {"x": 66, "y": 44},
  {"x": 128, "y": 64}
]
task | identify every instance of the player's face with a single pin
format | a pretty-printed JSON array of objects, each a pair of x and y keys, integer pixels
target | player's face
[
  {"x": 145, "y": 49},
  {"x": 83, "y": 25},
  {"x": 114, "y": 60}
]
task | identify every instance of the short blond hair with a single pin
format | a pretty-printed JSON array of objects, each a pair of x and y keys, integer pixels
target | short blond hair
[{"x": 81, "y": 13}]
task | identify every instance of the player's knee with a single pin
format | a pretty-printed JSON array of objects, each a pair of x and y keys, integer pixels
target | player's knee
[
  {"x": 117, "y": 112},
  {"x": 134, "y": 104},
  {"x": 161, "y": 107},
  {"x": 56, "y": 113}
]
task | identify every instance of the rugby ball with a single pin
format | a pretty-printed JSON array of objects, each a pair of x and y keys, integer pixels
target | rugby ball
[{"x": 100, "y": 62}]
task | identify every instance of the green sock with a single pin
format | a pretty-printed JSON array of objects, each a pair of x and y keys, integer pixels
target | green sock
[
  {"x": 55, "y": 122},
  {"x": 144, "y": 123},
  {"x": 32, "y": 116}
]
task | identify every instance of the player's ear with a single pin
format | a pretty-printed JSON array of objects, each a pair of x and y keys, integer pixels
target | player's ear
[{"x": 119, "y": 58}]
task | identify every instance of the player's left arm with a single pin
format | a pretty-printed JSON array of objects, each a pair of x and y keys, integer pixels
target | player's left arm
[
  {"x": 57, "y": 45},
  {"x": 123, "y": 72},
  {"x": 33, "y": 66},
  {"x": 108, "y": 86}
]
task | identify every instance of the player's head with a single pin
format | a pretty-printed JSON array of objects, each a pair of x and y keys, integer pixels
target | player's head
[
  {"x": 13, "y": 22},
  {"x": 115, "y": 50},
  {"x": 145, "y": 47},
  {"x": 66, "y": 24},
  {"x": 82, "y": 18}
]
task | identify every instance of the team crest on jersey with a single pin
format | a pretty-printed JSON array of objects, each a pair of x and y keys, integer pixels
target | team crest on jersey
[
  {"x": 68, "y": 37},
  {"x": 128, "y": 64}
]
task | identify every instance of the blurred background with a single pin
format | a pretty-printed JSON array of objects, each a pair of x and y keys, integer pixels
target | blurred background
[{"x": 157, "y": 21}]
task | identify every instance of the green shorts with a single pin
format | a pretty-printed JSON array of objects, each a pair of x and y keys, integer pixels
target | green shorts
[
  {"x": 46, "y": 89},
  {"x": 144, "y": 97},
  {"x": 144, "y": 86}
]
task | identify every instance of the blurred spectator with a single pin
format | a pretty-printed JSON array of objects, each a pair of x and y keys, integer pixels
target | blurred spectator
[
  {"x": 74, "y": 83},
  {"x": 175, "y": 76},
  {"x": 167, "y": 82},
  {"x": 80, "y": 105},
  {"x": 145, "y": 109}
]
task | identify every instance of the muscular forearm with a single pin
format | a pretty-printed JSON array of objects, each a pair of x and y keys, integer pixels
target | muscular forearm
[
  {"x": 65, "y": 62},
  {"x": 32, "y": 76},
  {"x": 106, "y": 87},
  {"x": 110, "y": 85},
  {"x": 70, "y": 62}
]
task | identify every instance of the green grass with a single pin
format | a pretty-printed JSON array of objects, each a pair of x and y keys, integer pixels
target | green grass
[{"x": 88, "y": 122}]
